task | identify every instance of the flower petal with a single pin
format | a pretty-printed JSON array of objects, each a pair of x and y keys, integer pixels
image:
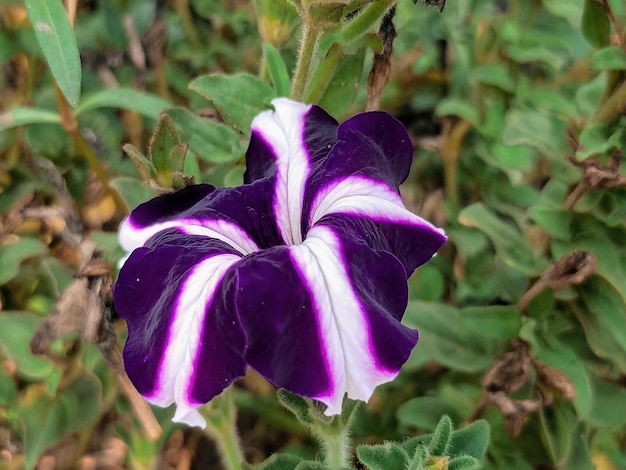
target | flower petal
[
  {"x": 336, "y": 329},
  {"x": 183, "y": 345},
  {"x": 238, "y": 216},
  {"x": 371, "y": 210},
  {"x": 285, "y": 143},
  {"x": 372, "y": 147}
]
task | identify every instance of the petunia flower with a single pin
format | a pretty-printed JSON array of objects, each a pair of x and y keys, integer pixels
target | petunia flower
[{"x": 300, "y": 273}]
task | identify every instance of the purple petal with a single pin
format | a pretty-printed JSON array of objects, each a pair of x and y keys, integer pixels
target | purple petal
[
  {"x": 372, "y": 148},
  {"x": 278, "y": 314},
  {"x": 336, "y": 329},
  {"x": 182, "y": 345},
  {"x": 372, "y": 211},
  {"x": 285, "y": 144},
  {"x": 238, "y": 216}
]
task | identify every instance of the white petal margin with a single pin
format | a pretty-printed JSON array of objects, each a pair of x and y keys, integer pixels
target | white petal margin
[
  {"x": 342, "y": 320},
  {"x": 283, "y": 131},
  {"x": 364, "y": 197},
  {"x": 132, "y": 236},
  {"x": 176, "y": 372}
]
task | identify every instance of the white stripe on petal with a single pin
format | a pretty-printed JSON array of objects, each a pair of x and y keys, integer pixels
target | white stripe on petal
[
  {"x": 131, "y": 236},
  {"x": 364, "y": 197},
  {"x": 283, "y": 131},
  {"x": 342, "y": 320},
  {"x": 176, "y": 373}
]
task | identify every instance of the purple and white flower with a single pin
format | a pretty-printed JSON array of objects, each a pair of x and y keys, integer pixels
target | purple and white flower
[{"x": 300, "y": 273}]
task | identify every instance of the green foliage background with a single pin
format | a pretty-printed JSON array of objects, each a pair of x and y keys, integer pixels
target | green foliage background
[{"x": 517, "y": 113}]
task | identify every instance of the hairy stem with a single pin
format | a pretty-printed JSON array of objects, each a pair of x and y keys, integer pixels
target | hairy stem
[{"x": 306, "y": 54}]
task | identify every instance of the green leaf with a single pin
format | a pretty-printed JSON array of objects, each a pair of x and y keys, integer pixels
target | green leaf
[
  {"x": 343, "y": 87},
  {"x": 145, "y": 166},
  {"x": 58, "y": 43},
  {"x": 495, "y": 321},
  {"x": 425, "y": 412},
  {"x": 86, "y": 390},
  {"x": 47, "y": 419},
  {"x": 211, "y": 141},
  {"x": 276, "y": 462},
  {"x": 440, "y": 440},
  {"x": 464, "y": 463},
  {"x": 604, "y": 321},
  {"x": 609, "y": 404},
  {"x": 16, "y": 331},
  {"x": 451, "y": 106},
  {"x": 445, "y": 339},
  {"x": 8, "y": 391},
  {"x": 162, "y": 145},
  {"x": 563, "y": 358},
  {"x": 146, "y": 104},
  {"x": 554, "y": 220},
  {"x": 534, "y": 129},
  {"x": 278, "y": 70},
  {"x": 238, "y": 98},
  {"x": 609, "y": 58},
  {"x": 558, "y": 425},
  {"x": 596, "y": 26},
  {"x": 472, "y": 440},
  {"x": 13, "y": 254},
  {"x": 311, "y": 465},
  {"x": 298, "y": 405},
  {"x": 45, "y": 422},
  {"x": 496, "y": 75},
  {"x": 509, "y": 243},
  {"x": 133, "y": 191},
  {"x": 20, "y": 116},
  {"x": 383, "y": 457}
]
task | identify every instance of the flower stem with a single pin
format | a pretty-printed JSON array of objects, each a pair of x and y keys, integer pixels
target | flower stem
[
  {"x": 308, "y": 48},
  {"x": 336, "y": 446},
  {"x": 221, "y": 419}
]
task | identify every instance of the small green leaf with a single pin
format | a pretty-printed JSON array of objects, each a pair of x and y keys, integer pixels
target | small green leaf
[
  {"x": 472, "y": 440},
  {"x": 8, "y": 391},
  {"x": 451, "y": 106},
  {"x": 596, "y": 26},
  {"x": 164, "y": 139},
  {"x": 211, "y": 141},
  {"x": 464, "y": 463},
  {"x": 12, "y": 255},
  {"x": 424, "y": 412},
  {"x": 133, "y": 191},
  {"x": 145, "y": 166},
  {"x": 58, "y": 43},
  {"x": 45, "y": 422},
  {"x": 445, "y": 339},
  {"x": 509, "y": 243},
  {"x": 146, "y": 104},
  {"x": 278, "y": 70},
  {"x": 238, "y": 98},
  {"x": 609, "y": 58},
  {"x": 16, "y": 331},
  {"x": 440, "y": 441},
  {"x": 311, "y": 465},
  {"x": 298, "y": 405},
  {"x": 604, "y": 321},
  {"x": 496, "y": 75},
  {"x": 534, "y": 129},
  {"x": 496, "y": 321},
  {"x": 276, "y": 462},
  {"x": 343, "y": 88},
  {"x": 609, "y": 404},
  {"x": 20, "y": 116},
  {"x": 383, "y": 457}
]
